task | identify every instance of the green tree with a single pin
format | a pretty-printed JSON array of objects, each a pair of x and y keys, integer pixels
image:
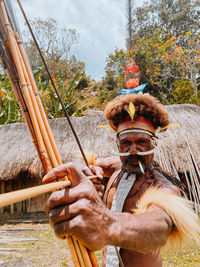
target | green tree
[
  {"x": 55, "y": 43},
  {"x": 170, "y": 16},
  {"x": 9, "y": 109}
]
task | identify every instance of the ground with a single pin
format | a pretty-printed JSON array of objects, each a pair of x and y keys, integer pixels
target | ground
[{"x": 35, "y": 245}]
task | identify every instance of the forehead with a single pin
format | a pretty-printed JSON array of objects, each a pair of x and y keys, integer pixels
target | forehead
[{"x": 134, "y": 135}]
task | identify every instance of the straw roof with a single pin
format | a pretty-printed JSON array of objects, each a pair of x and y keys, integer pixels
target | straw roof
[{"x": 18, "y": 154}]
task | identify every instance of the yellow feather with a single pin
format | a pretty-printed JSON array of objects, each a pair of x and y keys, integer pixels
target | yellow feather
[
  {"x": 131, "y": 110},
  {"x": 170, "y": 125},
  {"x": 105, "y": 127}
]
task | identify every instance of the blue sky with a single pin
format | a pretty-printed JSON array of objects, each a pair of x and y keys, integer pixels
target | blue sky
[{"x": 101, "y": 25}]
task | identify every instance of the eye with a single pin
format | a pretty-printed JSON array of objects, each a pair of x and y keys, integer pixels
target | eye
[
  {"x": 142, "y": 142},
  {"x": 124, "y": 142}
]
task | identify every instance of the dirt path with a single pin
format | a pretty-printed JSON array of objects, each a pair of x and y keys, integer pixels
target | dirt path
[
  {"x": 35, "y": 245},
  {"x": 32, "y": 245}
]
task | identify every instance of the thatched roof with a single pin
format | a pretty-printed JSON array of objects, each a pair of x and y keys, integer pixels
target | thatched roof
[{"x": 18, "y": 154}]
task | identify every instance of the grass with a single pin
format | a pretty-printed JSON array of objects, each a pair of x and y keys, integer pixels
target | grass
[{"x": 51, "y": 251}]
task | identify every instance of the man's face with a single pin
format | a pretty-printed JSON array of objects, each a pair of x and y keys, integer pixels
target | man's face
[{"x": 133, "y": 143}]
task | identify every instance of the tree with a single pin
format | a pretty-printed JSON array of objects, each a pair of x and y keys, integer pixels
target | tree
[
  {"x": 9, "y": 109},
  {"x": 170, "y": 16},
  {"x": 55, "y": 44}
]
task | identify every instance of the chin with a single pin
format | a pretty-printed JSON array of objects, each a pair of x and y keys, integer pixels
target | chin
[{"x": 132, "y": 170}]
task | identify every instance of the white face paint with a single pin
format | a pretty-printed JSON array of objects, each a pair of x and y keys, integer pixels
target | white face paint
[{"x": 138, "y": 153}]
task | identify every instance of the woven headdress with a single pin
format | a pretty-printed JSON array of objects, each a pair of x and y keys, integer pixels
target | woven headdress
[{"x": 145, "y": 106}]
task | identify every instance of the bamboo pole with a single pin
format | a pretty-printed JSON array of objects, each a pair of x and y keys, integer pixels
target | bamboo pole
[
  {"x": 39, "y": 124},
  {"x": 85, "y": 255},
  {"x": 24, "y": 194},
  {"x": 78, "y": 251},
  {"x": 20, "y": 195},
  {"x": 36, "y": 93},
  {"x": 72, "y": 248},
  {"x": 13, "y": 50},
  {"x": 15, "y": 86}
]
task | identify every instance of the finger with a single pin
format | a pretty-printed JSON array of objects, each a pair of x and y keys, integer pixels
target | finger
[
  {"x": 99, "y": 187},
  {"x": 67, "y": 227},
  {"x": 97, "y": 170},
  {"x": 73, "y": 172},
  {"x": 60, "y": 198},
  {"x": 87, "y": 171},
  {"x": 95, "y": 181},
  {"x": 56, "y": 173},
  {"x": 100, "y": 194},
  {"x": 68, "y": 212}
]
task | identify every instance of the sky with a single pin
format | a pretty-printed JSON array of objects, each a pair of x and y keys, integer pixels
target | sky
[{"x": 100, "y": 24}]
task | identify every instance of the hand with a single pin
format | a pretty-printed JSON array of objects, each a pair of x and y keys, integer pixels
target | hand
[
  {"x": 78, "y": 210},
  {"x": 98, "y": 171}
]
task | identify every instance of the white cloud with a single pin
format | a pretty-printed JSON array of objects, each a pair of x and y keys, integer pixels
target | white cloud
[{"x": 101, "y": 25}]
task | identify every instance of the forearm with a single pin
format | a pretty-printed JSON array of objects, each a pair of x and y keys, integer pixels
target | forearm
[{"x": 143, "y": 233}]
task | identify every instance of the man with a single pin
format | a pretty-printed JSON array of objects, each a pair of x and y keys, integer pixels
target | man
[{"x": 144, "y": 213}]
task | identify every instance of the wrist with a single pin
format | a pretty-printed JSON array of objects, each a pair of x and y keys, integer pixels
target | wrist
[{"x": 113, "y": 229}]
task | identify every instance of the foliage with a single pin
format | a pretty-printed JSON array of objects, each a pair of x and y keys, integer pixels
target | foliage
[
  {"x": 55, "y": 44},
  {"x": 68, "y": 72},
  {"x": 166, "y": 47},
  {"x": 170, "y": 16},
  {"x": 162, "y": 61},
  {"x": 183, "y": 92},
  {"x": 66, "y": 90},
  {"x": 9, "y": 109}
]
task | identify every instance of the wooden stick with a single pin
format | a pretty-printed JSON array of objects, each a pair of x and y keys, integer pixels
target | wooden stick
[
  {"x": 36, "y": 93},
  {"x": 85, "y": 255},
  {"x": 20, "y": 195},
  {"x": 30, "y": 95},
  {"x": 72, "y": 248},
  {"x": 41, "y": 132},
  {"x": 16, "y": 59},
  {"x": 78, "y": 251}
]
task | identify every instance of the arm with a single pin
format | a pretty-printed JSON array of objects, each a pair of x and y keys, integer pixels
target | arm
[
  {"x": 79, "y": 211},
  {"x": 143, "y": 233}
]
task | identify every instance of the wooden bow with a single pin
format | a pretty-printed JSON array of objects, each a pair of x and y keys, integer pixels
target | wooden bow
[{"x": 18, "y": 69}]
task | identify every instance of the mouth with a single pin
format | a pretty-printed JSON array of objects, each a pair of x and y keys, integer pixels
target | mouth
[{"x": 134, "y": 160}]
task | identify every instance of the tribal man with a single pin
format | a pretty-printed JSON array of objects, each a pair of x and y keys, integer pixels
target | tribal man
[{"x": 145, "y": 212}]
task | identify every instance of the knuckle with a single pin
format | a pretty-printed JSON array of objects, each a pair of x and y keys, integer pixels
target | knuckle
[
  {"x": 78, "y": 224},
  {"x": 82, "y": 205},
  {"x": 85, "y": 193},
  {"x": 70, "y": 166}
]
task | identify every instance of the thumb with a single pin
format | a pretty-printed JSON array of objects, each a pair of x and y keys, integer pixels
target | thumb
[{"x": 73, "y": 173}]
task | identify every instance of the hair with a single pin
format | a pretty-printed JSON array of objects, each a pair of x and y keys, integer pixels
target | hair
[{"x": 146, "y": 106}]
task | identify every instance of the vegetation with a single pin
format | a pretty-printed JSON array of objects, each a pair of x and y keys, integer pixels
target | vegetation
[
  {"x": 165, "y": 40},
  {"x": 166, "y": 47},
  {"x": 46, "y": 249}
]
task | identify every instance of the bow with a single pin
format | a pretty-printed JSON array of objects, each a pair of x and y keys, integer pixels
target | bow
[{"x": 18, "y": 69}]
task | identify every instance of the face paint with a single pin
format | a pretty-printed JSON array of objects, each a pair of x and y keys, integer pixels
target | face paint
[{"x": 138, "y": 153}]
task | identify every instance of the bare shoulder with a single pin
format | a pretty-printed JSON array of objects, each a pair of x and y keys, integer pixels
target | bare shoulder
[{"x": 166, "y": 183}]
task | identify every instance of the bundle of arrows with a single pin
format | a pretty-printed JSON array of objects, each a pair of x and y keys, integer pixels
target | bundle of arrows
[{"x": 17, "y": 66}]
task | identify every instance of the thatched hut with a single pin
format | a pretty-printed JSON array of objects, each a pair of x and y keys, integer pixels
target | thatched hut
[{"x": 20, "y": 166}]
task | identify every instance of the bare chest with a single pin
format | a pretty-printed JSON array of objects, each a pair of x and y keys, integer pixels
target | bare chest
[{"x": 139, "y": 187}]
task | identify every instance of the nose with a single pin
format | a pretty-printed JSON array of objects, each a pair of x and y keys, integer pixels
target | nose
[{"x": 133, "y": 149}]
